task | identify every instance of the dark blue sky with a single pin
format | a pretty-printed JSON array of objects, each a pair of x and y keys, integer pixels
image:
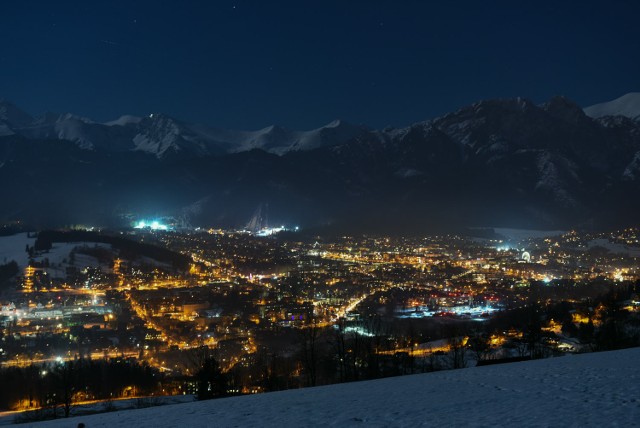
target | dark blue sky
[{"x": 248, "y": 64}]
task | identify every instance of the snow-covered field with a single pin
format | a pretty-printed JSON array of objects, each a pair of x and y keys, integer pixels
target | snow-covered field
[
  {"x": 600, "y": 389},
  {"x": 59, "y": 257},
  {"x": 14, "y": 248}
]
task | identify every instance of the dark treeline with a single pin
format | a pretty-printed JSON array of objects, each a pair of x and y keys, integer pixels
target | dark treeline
[
  {"x": 9, "y": 229},
  {"x": 8, "y": 271},
  {"x": 54, "y": 388},
  {"x": 128, "y": 248},
  {"x": 609, "y": 325},
  {"x": 350, "y": 351}
]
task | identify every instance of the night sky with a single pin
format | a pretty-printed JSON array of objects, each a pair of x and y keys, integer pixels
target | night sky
[{"x": 300, "y": 64}]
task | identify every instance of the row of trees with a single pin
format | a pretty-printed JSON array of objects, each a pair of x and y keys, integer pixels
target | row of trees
[
  {"x": 8, "y": 271},
  {"x": 53, "y": 388}
]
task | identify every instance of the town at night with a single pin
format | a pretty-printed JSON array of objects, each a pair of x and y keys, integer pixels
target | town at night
[
  {"x": 290, "y": 310},
  {"x": 242, "y": 213}
]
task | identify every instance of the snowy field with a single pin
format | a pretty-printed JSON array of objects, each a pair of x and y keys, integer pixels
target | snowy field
[
  {"x": 59, "y": 256},
  {"x": 14, "y": 248},
  {"x": 588, "y": 390}
]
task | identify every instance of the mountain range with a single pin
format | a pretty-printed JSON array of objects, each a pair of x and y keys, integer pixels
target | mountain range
[
  {"x": 504, "y": 162},
  {"x": 165, "y": 137}
]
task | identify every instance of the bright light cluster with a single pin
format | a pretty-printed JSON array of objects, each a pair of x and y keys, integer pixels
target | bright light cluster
[
  {"x": 153, "y": 225},
  {"x": 268, "y": 231}
]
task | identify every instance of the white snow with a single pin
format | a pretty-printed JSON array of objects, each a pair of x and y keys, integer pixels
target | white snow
[
  {"x": 599, "y": 389},
  {"x": 14, "y": 248},
  {"x": 627, "y": 105},
  {"x": 70, "y": 127},
  {"x": 160, "y": 135},
  {"x": 279, "y": 141},
  {"x": 65, "y": 126},
  {"x": 60, "y": 253},
  {"x": 124, "y": 120}
]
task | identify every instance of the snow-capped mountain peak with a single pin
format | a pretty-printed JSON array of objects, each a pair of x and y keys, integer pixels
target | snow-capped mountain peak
[
  {"x": 627, "y": 105},
  {"x": 162, "y": 135}
]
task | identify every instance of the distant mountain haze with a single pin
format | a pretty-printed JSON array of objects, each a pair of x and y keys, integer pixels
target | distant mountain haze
[{"x": 505, "y": 162}]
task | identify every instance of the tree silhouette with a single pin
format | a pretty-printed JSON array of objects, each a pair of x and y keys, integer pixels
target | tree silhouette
[{"x": 212, "y": 382}]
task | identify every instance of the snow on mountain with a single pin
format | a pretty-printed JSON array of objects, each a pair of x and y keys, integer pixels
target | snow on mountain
[
  {"x": 158, "y": 134},
  {"x": 162, "y": 135},
  {"x": 277, "y": 140},
  {"x": 124, "y": 120},
  {"x": 207, "y": 140},
  {"x": 598, "y": 389},
  {"x": 627, "y": 105},
  {"x": 550, "y": 168},
  {"x": 65, "y": 126},
  {"x": 632, "y": 171},
  {"x": 494, "y": 127},
  {"x": 546, "y": 165}
]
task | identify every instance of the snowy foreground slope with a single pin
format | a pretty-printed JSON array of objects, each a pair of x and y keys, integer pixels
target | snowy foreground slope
[{"x": 600, "y": 389}]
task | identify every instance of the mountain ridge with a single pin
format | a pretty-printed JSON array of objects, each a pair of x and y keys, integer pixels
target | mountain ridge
[
  {"x": 161, "y": 135},
  {"x": 505, "y": 162},
  {"x": 627, "y": 105}
]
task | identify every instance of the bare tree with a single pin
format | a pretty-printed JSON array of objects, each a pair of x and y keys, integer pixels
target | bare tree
[
  {"x": 64, "y": 378},
  {"x": 457, "y": 351},
  {"x": 309, "y": 351},
  {"x": 373, "y": 343},
  {"x": 340, "y": 349},
  {"x": 480, "y": 344},
  {"x": 434, "y": 361},
  {"x": 211, "y": 381}
]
